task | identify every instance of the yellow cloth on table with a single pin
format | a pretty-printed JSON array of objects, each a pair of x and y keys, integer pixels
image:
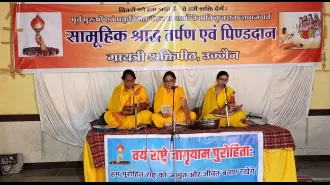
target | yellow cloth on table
[
  {"x": 279, "y": 166},
  {"x": 212, "y": 101},
  {"x": 163, "y": 97},
  {"x": 119, "y": 99},
  {"x": 91, "y": 174}
]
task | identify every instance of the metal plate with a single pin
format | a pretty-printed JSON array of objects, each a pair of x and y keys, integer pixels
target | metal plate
[
  {"x": 223, "y": 115},
  {"x": 104, "y": 128}
]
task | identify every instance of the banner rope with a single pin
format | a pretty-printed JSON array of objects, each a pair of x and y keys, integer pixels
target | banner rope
[
  {"x": 324, "y": 37},
  {"x": 11, "y": 67}
]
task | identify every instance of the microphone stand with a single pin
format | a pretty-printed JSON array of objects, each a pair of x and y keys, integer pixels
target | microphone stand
[
  {"x": 226, "y": 104},
  {"x": 135, "y": 111},
  {"x": 173, "y": 137}
]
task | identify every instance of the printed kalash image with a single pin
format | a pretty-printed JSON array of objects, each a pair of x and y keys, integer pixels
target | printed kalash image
[
  {"x": 42, "y": 34},
  {"x": 120, "y": 149},
  {"x": 300, "y": 30},
  {"x": 38, "y": 25}
]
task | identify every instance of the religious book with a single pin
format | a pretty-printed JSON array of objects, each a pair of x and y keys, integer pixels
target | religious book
[
  {"x": 166, "y": 109},
  {"x": 235, "y": 108},
  {"x": 231, "y": 110}
]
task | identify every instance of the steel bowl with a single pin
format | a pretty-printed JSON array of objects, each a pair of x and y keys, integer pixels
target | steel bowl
[{"x": 206, "y": 124}]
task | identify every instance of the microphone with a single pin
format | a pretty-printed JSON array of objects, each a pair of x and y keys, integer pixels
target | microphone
[
  {"x": 226, "y": 105},
  {"x": 174, "y": 87}
]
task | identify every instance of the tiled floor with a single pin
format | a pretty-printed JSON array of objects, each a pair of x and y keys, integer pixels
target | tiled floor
[
  {"x": 47, "y": 175},
  {"x": 318, "y": 171}
]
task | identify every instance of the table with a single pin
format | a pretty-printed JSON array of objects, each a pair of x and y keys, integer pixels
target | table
[{"x": 279, "y": 162}]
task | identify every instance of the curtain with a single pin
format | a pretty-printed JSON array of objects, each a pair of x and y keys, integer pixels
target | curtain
[{"x": 67, "y": 102}]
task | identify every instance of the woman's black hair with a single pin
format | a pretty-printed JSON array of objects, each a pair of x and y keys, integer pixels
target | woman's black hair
[
  {"x": 169, "y": 73},
  {"x": 222, "y": 73},
  {"x": 128, "y": 72}
]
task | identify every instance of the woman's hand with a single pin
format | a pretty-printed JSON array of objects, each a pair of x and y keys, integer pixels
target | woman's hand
[
  {"x": 219, "y": 111},
  {"x": 142, "y": 106},
  {"x": 236, "y": 108},
  {"x": 188, "y": 120},
  {"x": 166, "y": 115},
  {"x": 127, "y": 112},
  {"x": 39, "y": 39}
]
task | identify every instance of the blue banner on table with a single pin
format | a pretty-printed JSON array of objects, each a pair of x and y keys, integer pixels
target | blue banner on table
[{"x": 216, "y": 157}]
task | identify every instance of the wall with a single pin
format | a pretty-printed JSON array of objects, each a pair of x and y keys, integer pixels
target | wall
[
  {"x": 26, "y": 138},
  {"x": 18, "y": 97},
  {"x": 311, "y": 136}
]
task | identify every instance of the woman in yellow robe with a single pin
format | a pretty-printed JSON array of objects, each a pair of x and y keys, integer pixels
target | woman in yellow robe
[
  {"x": 164, "y": 96},
  {"x": 214, "y": 103},
  {"x": 120, "y": 112}
]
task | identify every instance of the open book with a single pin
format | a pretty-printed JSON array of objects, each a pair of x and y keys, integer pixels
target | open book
[
  {"x": 231, "y": 110},
  {"x": 235, "y": 108},
  {"x": 166, "y": 109}
]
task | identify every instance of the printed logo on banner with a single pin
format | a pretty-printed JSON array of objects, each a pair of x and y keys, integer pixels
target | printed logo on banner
[
  {"x": 120, "y": 149},
  {"x": 42, "y": 34}
]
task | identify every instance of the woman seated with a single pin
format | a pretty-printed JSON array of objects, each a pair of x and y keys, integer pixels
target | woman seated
[
  {"x": 164, "y": 96},
  {"x": 214, "y": 103},
  {"x": 120, "y": 113},
  {"x": 290, "y": 43}
]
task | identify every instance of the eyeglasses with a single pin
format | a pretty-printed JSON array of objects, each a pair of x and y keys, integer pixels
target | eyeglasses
[
  {"x": 169, "y": 81},
  {"x": 226, "y": 80}
]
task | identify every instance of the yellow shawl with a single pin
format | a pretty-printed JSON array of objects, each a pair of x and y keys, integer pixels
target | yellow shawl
[
  {"x": 212, "y": 101},
  {"x": 162, "y": 97},
  {"x": 120, "y": 98}
]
